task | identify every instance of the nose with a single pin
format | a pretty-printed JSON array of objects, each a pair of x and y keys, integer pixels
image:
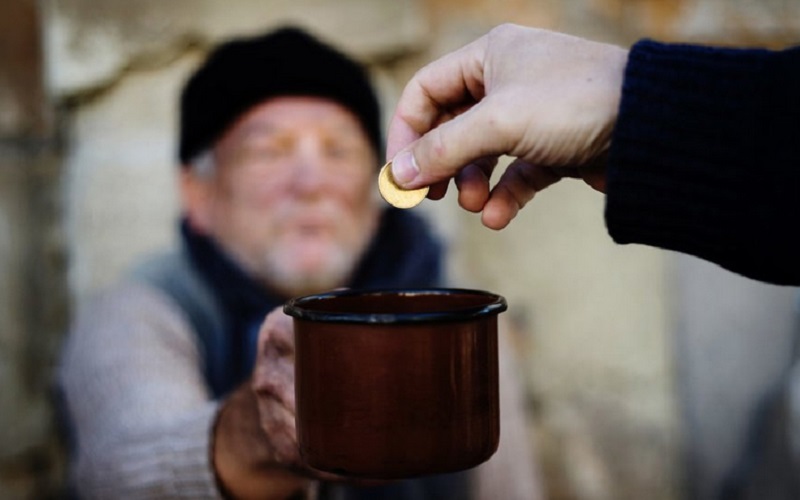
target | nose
[{"x": 308, "y": 170}]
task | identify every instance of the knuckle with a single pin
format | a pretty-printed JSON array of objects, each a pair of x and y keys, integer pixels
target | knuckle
[
  {"x": 505, "y": 30},
  {"x": 268, "y": 383}
]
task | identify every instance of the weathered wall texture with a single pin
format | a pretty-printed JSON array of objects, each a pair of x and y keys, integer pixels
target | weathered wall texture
[
  {"x": 615, "y": 341},
  {"x": 32, "y": 289}
]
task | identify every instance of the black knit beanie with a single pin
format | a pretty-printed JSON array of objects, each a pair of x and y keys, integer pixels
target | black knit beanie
[{"x": 244, "y": 72}]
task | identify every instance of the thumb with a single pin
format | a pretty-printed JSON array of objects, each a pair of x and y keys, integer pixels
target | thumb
[{"x": 442, "y": 152}]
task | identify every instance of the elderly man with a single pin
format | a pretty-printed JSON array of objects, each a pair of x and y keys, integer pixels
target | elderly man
[{"x": 279, "y": 143}]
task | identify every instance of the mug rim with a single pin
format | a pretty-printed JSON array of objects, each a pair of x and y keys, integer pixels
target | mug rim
[{"x": 297, "y": 307}]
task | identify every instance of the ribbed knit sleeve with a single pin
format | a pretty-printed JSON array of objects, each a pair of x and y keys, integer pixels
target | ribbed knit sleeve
[
  {"x": 705, "y": 157},
  {"x": 141, "y": 416}
]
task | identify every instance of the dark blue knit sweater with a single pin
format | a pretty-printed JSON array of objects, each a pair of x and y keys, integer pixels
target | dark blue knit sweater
[{"x": 705, "y": 157}]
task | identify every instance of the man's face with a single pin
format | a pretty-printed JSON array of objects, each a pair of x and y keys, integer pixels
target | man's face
[{"x": 291, "y": 197}]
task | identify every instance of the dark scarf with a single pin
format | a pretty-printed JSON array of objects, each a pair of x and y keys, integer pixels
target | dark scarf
[{"x": 403, "y": 254}]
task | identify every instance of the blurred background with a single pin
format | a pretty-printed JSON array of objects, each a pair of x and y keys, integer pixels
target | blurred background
[{"x": 643, "y": 368}]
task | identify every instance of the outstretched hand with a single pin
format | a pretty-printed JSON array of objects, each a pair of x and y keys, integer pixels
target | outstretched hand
[
  {"x": 273, "y": 384},
  {"x": 546, "y": 99},
  {"x": 255, "y": 452}
]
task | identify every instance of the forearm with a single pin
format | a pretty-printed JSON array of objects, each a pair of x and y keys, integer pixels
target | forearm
[
  {"x": 705, "y": 158},
  {"x": 139, "y": 411},
  {"x": 243, "y": 463},
  {"x": 169, "y": 460}
]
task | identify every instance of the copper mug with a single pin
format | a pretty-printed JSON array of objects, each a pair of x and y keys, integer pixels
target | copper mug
[{"x": 396, "y": 383}]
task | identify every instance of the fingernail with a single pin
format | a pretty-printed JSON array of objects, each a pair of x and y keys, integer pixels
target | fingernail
[{"x": 404, "y": 168}]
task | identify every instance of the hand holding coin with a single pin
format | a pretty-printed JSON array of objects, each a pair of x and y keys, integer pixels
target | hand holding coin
[{"x": 394, "y": 194}]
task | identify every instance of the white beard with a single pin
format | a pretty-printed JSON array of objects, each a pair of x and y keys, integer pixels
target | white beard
[
  {"x": 285, "y": 274},
  {"x": 302, "y": 261}
]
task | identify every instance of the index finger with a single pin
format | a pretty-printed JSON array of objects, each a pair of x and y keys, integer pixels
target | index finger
[{"x": 450, "y": 82}]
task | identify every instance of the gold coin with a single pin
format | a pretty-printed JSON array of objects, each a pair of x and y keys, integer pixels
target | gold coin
[{"x": 394, "y": 194}]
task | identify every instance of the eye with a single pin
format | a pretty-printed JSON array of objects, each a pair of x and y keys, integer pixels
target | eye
[
  {"x": 266, "y": 152},
  {"x": 339, "y": 151},
  {"x": 272, "y": 152}
]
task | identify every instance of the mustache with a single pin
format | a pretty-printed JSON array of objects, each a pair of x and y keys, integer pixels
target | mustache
[{"x": 323, "y": 213}]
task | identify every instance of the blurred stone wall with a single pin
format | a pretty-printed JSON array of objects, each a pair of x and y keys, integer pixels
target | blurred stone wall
[
  {"x": 632, "y": 357},
  {"x": 33, "y": 293}
]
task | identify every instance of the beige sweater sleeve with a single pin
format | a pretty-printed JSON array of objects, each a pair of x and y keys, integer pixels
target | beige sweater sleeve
[{"x": 140, "y": 412}]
